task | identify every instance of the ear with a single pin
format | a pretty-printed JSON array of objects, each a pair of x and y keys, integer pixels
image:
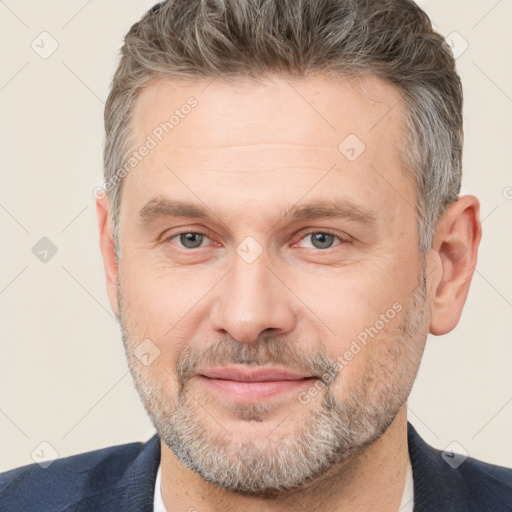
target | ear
[
  {"x": 107, "y": 251},
  {"x": 455, "y": 250}
]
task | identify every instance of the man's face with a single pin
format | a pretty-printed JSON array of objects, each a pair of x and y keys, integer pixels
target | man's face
[{"x": 265, "y": 278}]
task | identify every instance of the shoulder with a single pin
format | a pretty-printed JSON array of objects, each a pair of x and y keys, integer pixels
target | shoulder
[
  {"x": 448, "y": 481},
  {"x": 485, "y": 483},
  {"x": 70, "y": 480}
]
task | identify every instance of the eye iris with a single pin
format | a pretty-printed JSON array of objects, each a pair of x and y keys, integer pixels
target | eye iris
[
  {"x": 324, "y": 240},
  {"x": 191, "y": 240}
]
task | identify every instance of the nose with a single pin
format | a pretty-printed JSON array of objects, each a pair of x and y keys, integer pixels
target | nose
[{"x": 252, "y": 299}]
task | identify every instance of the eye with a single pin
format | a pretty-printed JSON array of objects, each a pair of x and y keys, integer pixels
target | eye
[
  {"x": 318, "y": 239},
  {"x": 189, "y": 240},
  {"x": 323, "y": 239}
]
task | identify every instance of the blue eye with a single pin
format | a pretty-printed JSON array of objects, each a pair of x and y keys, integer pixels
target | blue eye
[
  {"x": 191, "y": 240},
  {"x": 322, "y": 240}
]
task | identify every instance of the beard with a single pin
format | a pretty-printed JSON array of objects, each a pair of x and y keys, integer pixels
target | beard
[{"x": 329, "y": 432}]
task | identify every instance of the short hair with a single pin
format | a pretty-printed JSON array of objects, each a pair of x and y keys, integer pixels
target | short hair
[{"x": 235, "y": 39}]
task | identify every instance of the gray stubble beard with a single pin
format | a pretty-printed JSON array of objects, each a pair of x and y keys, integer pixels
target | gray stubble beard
[{"x": 326, "y": 437}]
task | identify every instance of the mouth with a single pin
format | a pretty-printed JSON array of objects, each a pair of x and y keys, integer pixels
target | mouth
[{"x": 259, "y": 383}]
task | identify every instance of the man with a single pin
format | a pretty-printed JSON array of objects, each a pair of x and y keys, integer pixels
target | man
[{"x": 281, "y": 230}]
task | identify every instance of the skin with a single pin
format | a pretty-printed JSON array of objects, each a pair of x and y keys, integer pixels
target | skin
[{"x": 248, "y": 153}]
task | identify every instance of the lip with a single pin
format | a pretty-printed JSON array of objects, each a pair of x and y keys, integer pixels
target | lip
[
  {"x": 247, "y": 384},
  {"x": 252, "y": 375}
]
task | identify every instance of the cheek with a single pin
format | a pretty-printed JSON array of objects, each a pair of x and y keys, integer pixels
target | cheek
[
  {"x": 157, "y": 295},
  {"x": 165, "y": 307},
  {"x": 374, "y": 360},
  {"x": 359, "y": 313},
  {"x": 349, "y": 300}
]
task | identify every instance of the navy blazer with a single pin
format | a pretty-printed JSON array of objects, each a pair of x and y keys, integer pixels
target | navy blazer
[{"x": 122, "y": 479}]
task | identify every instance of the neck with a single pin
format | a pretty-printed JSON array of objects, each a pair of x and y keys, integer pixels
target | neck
[{"x": 372, "y": 481}]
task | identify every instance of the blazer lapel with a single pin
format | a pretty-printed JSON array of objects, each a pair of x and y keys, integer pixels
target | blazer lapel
[
  {"x": 134, "y": 491},
  {"x": 437, "y": 487}
]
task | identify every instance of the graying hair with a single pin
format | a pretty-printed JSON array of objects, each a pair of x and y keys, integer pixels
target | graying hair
[{"x": 235, "y": 39}]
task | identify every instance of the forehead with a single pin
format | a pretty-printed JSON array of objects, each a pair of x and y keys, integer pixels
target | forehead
[
  {"x": 255, "y": 139},
  {"x": 320, "y": 109}
]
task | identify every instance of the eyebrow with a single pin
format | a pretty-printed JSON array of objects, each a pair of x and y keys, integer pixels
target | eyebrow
[{"x": 162, "y": 207}]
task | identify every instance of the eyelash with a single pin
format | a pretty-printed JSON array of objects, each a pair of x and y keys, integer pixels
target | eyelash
[{"x": 343, "y": 239}]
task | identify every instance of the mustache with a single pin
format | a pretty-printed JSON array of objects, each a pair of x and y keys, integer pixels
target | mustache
[{"x": 266, "y": 351}]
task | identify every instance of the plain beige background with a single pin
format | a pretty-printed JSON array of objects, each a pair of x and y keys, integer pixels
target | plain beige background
[{"x": 64, "y": 381}]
